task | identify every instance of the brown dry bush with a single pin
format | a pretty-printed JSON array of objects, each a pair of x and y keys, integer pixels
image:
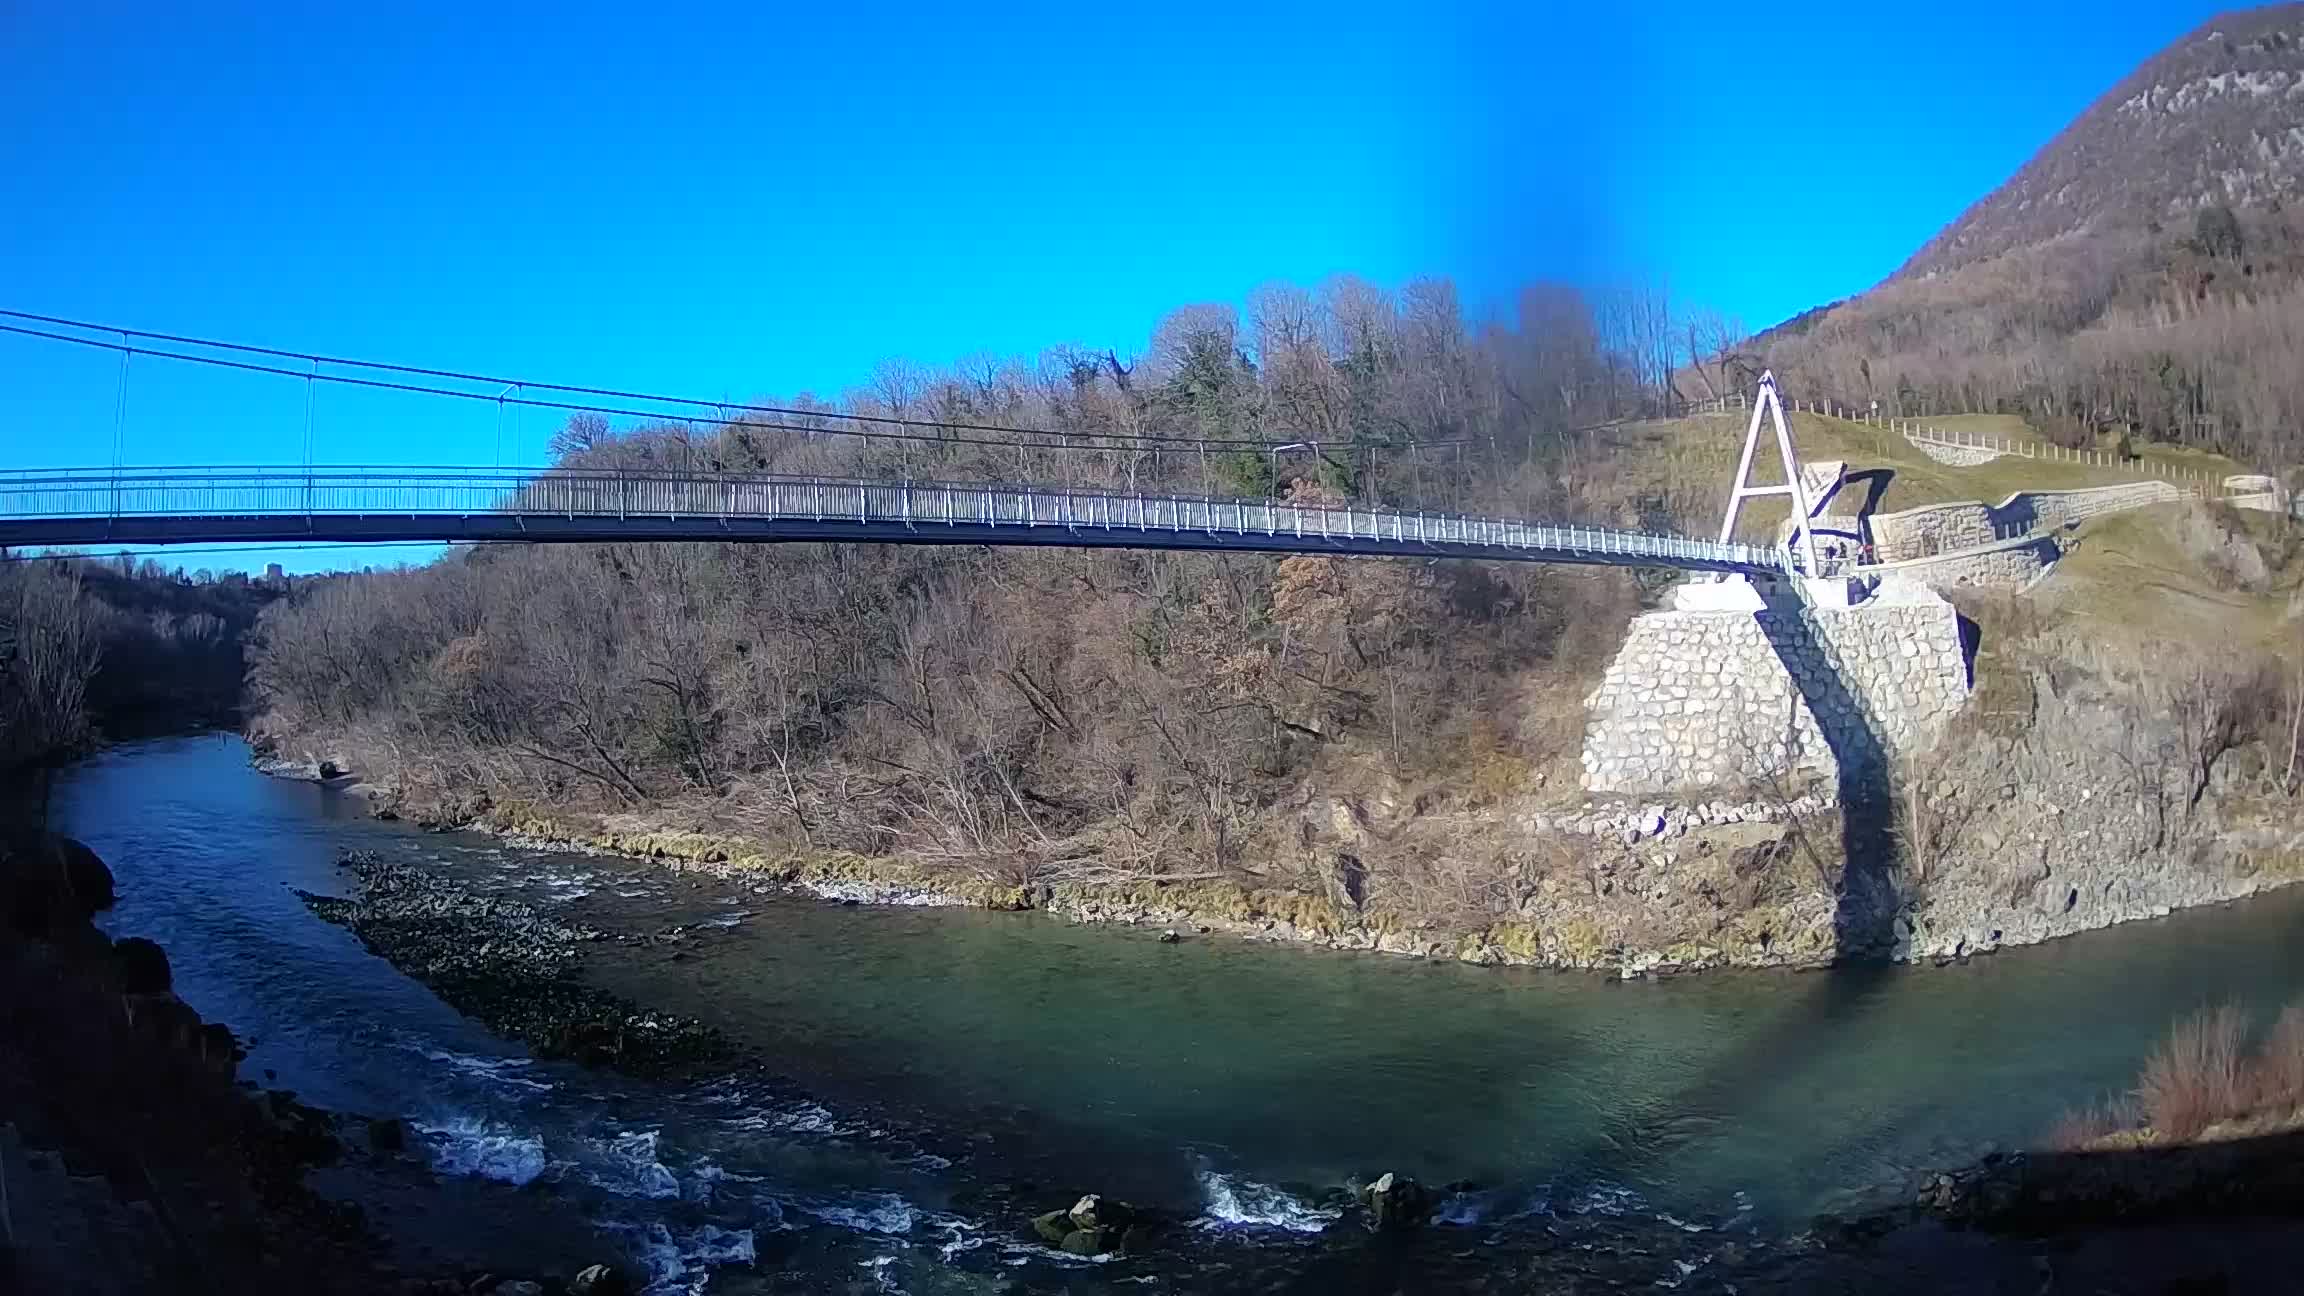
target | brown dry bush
[
  {"x": 2276, "y": 1074},
  {"x": 2194, "y": 1079},
  {"x": 2082, "y": 1128}
]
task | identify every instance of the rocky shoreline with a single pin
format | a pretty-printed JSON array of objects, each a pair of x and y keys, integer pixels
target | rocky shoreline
[
  {"x": 1637, "y": 856},
  {"x": 1996, "y": 840},
  {"x": 504, "y": 965},
  {"x": 133, "y": 1156}
]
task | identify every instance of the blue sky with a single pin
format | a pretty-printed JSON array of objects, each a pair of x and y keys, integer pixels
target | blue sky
[{"x": 750, "y": 199}]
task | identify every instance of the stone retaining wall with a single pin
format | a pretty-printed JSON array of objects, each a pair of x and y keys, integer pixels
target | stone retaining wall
[
  {"x": 1943, "y": 528},
  {"x": 2010, "y": 565},
  {"x": 1704, "y": 700},
  {"x": 1957, "y": 456}
]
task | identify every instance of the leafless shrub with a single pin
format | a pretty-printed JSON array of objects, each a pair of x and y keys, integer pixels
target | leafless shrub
[
  {"x": 49, "y": 647},
  {"x": 2276, "y": 1074},
  {"x": 2082, "y": 1128},
  {"x": 2194, "y": 1078}
]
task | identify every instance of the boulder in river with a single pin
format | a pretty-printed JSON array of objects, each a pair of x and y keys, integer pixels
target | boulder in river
[
  {"x": 50, "y": 884},
  {"x": 1396, "y": 1201},
  {"x": 1092, "y": 1212},
  {"x": 600, "y": 1280},
  {"x": 143, "y": 966},
  {"x": 1094, "y": 1225},
  {"x": 1054, "y": 1226},
  {"x": 1086, "y": 1242},
  {"x": 85, "y": 873},
  {"x": 164, "y": 1019},
  {"x": 387, "y": 1135}
]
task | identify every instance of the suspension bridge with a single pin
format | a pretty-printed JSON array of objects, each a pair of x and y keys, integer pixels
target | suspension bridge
[{"x": 124, "y": 505}]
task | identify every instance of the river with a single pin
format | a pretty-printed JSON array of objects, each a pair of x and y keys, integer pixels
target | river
[{"x": 964, "y": 1069}]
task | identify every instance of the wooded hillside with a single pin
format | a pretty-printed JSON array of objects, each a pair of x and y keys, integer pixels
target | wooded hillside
[
  {"x": 2143, "y": 275},
  {"x": 1088, "y": 713}
]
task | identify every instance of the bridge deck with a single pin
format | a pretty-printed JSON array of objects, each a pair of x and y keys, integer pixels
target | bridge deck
[{"x": 178, "y": 505}]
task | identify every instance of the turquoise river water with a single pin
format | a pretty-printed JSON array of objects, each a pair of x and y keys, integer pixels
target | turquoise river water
[{"x": 965, "y": 1068}]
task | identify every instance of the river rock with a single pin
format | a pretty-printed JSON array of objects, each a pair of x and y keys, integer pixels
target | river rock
[
  {"x": 1396, "y": 1201},
  {"x": 511, "y": 967},
  {"x": 163, "y": 1018},
  {"x": 51, "y": 883},
  {"x": 143, "y": 966},
  {"x": 1054, "y": 1226},
  {"x": 1092, "y": 1211},
  {"x": 600, "y": 1280},
  {"x": 387, "y": 1135},
  {"x": 84, "y": 873},
  {"x": 1086, "y": 1242},
  {"x": 219, "y": 1048},
  {"x": 1094, "y": 1225}
]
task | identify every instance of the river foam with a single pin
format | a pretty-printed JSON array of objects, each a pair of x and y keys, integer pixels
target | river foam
[
  {"x": 474, "y": 1147},
  {"x": 506, "y": 1071},
  {"x": 1233, "y": 1202},
  {"x": 626, "y": 1164},
  {"x": 683, "y": 1260},
  {"x": 884, "y": 1213}
]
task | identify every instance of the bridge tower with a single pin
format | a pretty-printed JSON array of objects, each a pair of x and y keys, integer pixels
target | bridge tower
[
  {"x": 1770, "y": 406},
  {"x": 1807, "y": 581}
]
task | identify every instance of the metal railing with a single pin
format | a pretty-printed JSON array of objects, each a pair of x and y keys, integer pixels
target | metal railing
[{"x": 968, "y": 511}]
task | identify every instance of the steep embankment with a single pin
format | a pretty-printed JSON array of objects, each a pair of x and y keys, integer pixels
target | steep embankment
[{"x": 132, "y": 1161}]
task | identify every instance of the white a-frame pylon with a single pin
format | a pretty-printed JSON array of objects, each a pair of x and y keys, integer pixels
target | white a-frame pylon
[{"x": 1768, "y": 405}]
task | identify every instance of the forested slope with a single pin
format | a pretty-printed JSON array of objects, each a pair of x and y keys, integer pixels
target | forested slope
[
  {"x": 96, "y": 650},
  {"x": 1095, "y": 714}
]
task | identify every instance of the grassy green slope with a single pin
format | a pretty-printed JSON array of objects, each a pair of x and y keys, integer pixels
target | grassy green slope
[{"x": 1683, "y": 466}]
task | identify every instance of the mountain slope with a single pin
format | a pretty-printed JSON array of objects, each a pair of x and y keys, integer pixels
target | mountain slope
[{"x": 2215, "y": 119}]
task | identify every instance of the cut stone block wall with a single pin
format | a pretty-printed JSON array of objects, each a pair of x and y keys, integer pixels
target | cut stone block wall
[
  {"x": 1958, "y": 456},
  {"x": 1941, "y": 528},
  {"x": 2003, "y": 566},
  {"x": 1699, "y": 700}
]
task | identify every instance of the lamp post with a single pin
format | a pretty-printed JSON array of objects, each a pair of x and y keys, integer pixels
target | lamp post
[{"x": 1312, "y": 446}]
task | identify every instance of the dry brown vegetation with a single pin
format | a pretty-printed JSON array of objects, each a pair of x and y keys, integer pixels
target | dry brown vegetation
[
  {"x": 2202, "y": 1077},
  {"x": 2194, "y": 1078},
  {"x": 1042, "y": 715},
  {"x": 90, "y": 649},
  {"x": 2164, "y": 334},
  {"x": 2139, "y": 276}
]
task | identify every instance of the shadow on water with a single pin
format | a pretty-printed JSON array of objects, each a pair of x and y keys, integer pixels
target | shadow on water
[{"x": 1864, "y": 916}]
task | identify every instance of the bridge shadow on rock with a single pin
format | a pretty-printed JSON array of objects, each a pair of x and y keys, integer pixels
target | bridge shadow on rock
[
  {"x": 1875, "y": 482},
  {"x": 1867, "y": 898}
]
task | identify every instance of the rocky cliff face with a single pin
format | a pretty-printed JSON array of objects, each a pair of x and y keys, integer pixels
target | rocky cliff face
[
  {"x": 2215, "y": 119},
  {"x": 2129, "y": 794}
]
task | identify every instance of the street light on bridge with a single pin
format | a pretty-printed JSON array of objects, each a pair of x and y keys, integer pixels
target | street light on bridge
[{"x": 1312, "y": 446}]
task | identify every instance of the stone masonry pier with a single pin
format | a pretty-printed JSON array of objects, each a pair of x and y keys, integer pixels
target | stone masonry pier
[{"x": 1702, "y": 701}]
